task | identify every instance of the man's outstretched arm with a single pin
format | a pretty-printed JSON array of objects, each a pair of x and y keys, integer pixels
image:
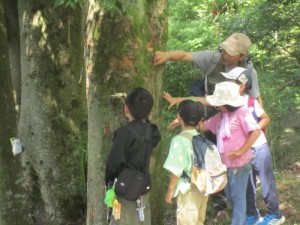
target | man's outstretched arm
[{"x": 177, "y": 55}]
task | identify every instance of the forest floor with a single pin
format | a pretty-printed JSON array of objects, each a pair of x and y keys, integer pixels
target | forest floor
[{"x": 288, "y": 184}]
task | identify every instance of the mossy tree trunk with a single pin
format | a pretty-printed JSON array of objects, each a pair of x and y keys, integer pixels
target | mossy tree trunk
[
  {"x": 12, "y": 192},
  {"x": 53, "y": 111},
  {"x": 120, "y": 57}
]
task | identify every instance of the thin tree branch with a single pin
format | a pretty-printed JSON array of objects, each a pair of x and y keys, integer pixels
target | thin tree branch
[{"x": 286, "y": 84}]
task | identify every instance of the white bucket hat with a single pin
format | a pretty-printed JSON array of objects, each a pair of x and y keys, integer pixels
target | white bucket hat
[{"x": 226, "y": 93}]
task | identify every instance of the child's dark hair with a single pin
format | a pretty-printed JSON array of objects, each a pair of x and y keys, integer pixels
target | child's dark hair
[
  {"x": 248, "y": 85},
  {"x": 231, "y": 108},
  {"x": 139, "y": 102},
  {"x": 191, "y": 112}
]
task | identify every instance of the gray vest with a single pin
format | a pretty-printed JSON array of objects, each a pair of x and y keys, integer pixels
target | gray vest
[{"x": 213, "y": 73}]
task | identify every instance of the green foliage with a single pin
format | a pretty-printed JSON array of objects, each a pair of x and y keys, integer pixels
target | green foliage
[
  {"x": 110, "y": 6},
  {"x": 118, "y": 6},
  {"x": 273, "y": 27},
  {"x": 69, "y": 3},
  {"x": 179, "y": 78},
  {"x": 190, "y": 27}
]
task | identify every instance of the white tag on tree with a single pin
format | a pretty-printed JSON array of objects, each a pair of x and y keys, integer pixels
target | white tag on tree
[{"x": 16, "y": 145}]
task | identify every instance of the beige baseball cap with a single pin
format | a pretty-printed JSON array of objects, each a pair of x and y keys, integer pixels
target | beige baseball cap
[{"x": 237, "y": 43}]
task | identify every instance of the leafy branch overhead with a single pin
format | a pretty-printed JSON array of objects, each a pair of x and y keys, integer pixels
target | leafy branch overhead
[{"x": 69, "y": 3}]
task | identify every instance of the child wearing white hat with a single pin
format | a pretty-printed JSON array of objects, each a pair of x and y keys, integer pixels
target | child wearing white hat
[
  {"x": 236, "y": 131},
  {"x": 262, "y": 162}
]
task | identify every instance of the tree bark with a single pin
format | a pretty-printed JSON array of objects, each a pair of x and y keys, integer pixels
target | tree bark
[
  {"x": 52, "y": 123},
  {"x": 12, "y": 192},
  {"x": 95, "y": 188},
  {"x": 11, "y": 13},
  {"x": 120, "y": 57}
]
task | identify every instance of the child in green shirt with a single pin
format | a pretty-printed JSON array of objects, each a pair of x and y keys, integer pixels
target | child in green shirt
[{"x": 191, "y": 204}]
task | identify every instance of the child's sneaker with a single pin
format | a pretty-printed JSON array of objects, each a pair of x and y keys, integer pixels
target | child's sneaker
[
  {"x": 272, "y": 219},
  {"x": 253, "y": 220}
]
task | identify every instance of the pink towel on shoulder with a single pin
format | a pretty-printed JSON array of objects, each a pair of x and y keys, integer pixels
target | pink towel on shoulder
[{"x": 224, "y": 132}]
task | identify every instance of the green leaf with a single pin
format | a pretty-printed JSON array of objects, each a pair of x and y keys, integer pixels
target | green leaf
[{"x": 58, "y": 3}]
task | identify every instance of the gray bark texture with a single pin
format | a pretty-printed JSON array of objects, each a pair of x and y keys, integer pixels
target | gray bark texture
[
  {"x": 120, "y": 48},
  {"x": 52, "y": 123},
  {"x": 96, "y": 212},
  {"x": 12, "y": 191}
]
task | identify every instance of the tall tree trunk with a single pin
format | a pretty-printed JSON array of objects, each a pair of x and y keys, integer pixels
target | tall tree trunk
[
  {"x": 52, "y": 118},
  {"x": 12, "y": 192},
  {"x": 12, "y": 21},
  {"x": 95, "y": 186},
  {"x": 120, "y": 58}
]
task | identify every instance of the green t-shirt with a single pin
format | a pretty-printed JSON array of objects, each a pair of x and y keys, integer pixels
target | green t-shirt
[{"x": 180, "y": 159}]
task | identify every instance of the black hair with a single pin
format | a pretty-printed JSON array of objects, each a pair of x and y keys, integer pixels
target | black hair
[
  {"x": 191, "y": 112},
  {"x": 231, "y": 108},
  {"x": 239, "y": 83},
  {"x": 247, "y": 85},
  {"x": 139, "y": 102}
]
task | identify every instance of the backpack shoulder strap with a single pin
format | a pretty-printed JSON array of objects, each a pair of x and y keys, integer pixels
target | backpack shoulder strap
[
  {"x": 248, "y": 64},
  {"x": 186, "y": 135},
  {"x": 251, "y": 101},
  {"x": 190, "y": 137},
  {"x": 200, "y": 145},
  {"x": 211, "y": 66}
]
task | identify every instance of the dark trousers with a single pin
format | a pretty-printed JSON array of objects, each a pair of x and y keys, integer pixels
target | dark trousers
[
  {"x": 262, "y": 167},
  {"x": 219, "y": 201}
]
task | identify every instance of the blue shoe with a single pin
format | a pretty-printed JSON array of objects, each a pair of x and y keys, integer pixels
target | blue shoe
[
  {"x": 252, "y": 220},
  {"x": 272, "y": 219}
]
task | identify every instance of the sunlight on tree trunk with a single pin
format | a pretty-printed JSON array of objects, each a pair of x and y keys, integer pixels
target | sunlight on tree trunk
[
  {"x": 52, "y": 118},
  {"x": 95, "y": 187},
  {"x": 12, "y": 194},
  {"x": 120, "y": 53},
  {"x": 11, "y": 13}
]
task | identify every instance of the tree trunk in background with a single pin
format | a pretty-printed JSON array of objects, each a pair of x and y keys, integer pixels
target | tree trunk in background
[
  {"x": 12, "y": 21},
  {"x": 12, "y": 192},
  {"x": 119, "y": 57},
  {"x": 95, "y": 186},
  {"x": 52, "y": 117}
]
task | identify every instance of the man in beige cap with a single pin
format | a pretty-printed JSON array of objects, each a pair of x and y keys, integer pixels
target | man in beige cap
[{"x": 233, "y": 53}]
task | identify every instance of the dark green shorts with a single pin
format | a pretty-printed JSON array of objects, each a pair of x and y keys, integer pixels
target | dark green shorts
[{"x": 129, "y": 215}]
